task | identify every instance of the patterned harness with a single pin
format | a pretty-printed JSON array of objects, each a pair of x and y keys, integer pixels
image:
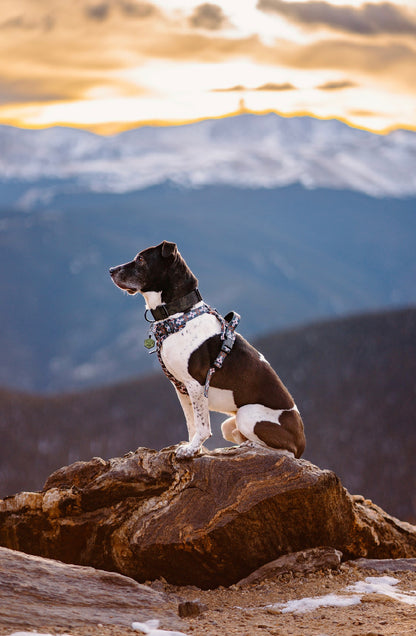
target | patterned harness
[{"x": 164, "y": 328}]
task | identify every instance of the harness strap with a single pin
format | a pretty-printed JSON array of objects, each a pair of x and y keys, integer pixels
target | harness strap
[{"x": 228, "y": 336}]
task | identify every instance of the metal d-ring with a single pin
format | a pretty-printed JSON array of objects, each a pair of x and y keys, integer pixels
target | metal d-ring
[{"x": 146, "y": 318}]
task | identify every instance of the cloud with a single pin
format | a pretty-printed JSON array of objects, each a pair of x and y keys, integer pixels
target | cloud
[
  {"x": 232, "y": 89},
  {"x": 359, "y": 112},
  {"x": 40, "y": 90},
  {"x": 276, "y": 87},
  {"x": 208, "y": 16},
  {"x": 392, "y": 60},
  {"x": 24, "y": 23},
  {"x": 337, "y": 85},
  {"x": 100, "y": 11},
  {"x": 79, "y": 50},
  {"x": 137, "y": 9},
  {"x": 53, "y": 87},
  {"x": 50, "y": 58},
  {"x": 264, "y": 87},
  {"x": 199, "y": 47},
  {"x": 369, "y": 19}
]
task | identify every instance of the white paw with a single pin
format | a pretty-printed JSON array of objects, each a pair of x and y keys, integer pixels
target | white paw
[{"x": 185, "y": 451}]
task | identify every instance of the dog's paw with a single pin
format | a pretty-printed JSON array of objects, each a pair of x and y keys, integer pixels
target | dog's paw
[{"x": 186, "y": 451}]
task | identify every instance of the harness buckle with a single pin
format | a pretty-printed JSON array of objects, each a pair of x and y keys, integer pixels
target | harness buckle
[{"x": 227, "y": 344}]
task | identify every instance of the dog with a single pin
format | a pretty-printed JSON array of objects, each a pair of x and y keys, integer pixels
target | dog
[{"x": 243, "y": 386}]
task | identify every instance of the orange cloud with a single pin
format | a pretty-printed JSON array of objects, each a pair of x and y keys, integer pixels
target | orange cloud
[
  {"x": 388, "y": 62},
  {"x": 336, "y": 85},
  {"x": 88, "y": 49},
  {"x": 270, "y": 86}
]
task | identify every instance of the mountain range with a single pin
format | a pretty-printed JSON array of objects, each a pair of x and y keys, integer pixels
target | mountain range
[
  {"x": 245, "y": 151},
  {"x": 243, "y": 198}
]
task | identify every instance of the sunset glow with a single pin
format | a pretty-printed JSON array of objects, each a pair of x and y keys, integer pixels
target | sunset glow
[{"x": 110, "y": 64}]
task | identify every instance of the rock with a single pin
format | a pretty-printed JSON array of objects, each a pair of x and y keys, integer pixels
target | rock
[
  {"x": 207, "y": 521},
  {"x": 37, "y": 592},
  {"x": 190, "y": 609},
  {"x": 302, "y": 562},
  {"x": 385, "y": 565}
]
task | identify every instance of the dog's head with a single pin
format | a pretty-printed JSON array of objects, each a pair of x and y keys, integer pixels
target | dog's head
[{"x": 156, "y": 269}]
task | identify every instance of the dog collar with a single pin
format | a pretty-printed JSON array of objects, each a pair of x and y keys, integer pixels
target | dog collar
[{"x": 176, "y": 306}]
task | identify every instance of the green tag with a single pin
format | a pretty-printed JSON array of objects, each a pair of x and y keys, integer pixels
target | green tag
[{"x": 149, "y": 343}]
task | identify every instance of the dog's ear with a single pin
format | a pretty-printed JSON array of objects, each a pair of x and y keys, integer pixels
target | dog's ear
[{"x": 169, "y": 249}]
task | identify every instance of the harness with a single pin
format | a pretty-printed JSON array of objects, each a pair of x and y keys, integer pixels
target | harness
[{"x": 164, "y": 328}]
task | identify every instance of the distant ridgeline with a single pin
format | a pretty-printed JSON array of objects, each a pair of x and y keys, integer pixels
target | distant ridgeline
[{"x": 248, "y": 150}]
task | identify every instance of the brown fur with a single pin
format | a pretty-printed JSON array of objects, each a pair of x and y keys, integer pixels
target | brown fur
[
  {"x": 289, "y": 435},
  {"x": 251, "y": 379}
]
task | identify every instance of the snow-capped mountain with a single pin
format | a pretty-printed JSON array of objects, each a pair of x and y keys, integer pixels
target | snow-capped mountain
[
  {"x": 272, "y": 214},
  {"x": 244, "y": 151}
]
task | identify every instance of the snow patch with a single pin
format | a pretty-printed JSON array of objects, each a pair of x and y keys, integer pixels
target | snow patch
[
  {"x": 382, "y": 585},
  {"x": 152, "y": 628},
  {"x": 309, "y": 604}
]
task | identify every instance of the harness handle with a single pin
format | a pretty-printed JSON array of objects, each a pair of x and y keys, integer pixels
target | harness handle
[{"x": 228, "y": 336}]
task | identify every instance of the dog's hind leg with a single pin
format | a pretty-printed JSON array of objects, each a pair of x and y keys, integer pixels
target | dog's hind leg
[
  {"x": 202, "y": 425},
  {"x": 280, "y": 429},
  {"x": 230, "y": 431}
]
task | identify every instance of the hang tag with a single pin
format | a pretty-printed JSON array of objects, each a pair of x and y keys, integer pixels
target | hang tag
[{"x": 149, "y": 343}]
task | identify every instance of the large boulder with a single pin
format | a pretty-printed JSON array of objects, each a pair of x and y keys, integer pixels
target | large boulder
[
  {"x": 206, "y": 521},
  {"x": 42, "y": 593}
]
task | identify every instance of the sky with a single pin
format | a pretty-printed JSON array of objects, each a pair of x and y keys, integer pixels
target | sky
[{"x": 108, "y": 65}]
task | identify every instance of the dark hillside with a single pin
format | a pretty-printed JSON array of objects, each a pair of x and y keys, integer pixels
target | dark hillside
[{"x": 354, "y": 381}]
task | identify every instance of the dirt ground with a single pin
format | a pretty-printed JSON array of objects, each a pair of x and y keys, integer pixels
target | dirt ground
[{"x": 244, "y": 612}]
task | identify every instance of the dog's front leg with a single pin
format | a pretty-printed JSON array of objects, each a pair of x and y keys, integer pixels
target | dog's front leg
[
  {"x": 202, "y": 426},
  {"x": 188, "y": 411}
]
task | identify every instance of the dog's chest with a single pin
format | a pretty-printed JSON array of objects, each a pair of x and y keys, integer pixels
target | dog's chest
[{"x": 178, "y": 347}]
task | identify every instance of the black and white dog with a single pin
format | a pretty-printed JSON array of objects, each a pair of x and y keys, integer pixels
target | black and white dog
[{"x": 246, "y": 388}]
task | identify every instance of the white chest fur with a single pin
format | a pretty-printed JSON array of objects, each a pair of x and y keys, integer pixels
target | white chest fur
[{"x": 178, "y": 347}]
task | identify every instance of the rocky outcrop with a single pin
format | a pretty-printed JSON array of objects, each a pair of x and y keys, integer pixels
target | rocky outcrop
[
  {"x": 42, "y": 593},
  {"x": 303, "y": 562},
  {"x": 207, "y": 521}
]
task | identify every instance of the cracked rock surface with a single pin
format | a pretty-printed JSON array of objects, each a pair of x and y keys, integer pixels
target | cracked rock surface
[{"x": 207, "y": 521}]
